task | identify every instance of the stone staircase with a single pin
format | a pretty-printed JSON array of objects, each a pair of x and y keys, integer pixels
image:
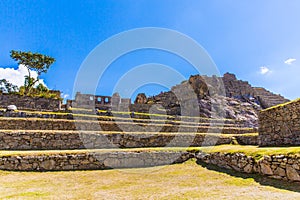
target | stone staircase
[
  {"x": 267, "y": 98},
  {"x": 66, "y": 141}
]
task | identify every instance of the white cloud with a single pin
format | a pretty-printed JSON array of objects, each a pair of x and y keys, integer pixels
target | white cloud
[
  {"x": 17, "y": 76},
  {"x": 289, "y": 61},
  {"x": 264, "y": 70},
  {"x": 65, "y": 96}
]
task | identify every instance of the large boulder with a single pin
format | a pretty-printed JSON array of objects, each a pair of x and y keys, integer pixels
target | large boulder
[
  {"x": 199, "y": 85},
  {"x": 141, "y": 99}
]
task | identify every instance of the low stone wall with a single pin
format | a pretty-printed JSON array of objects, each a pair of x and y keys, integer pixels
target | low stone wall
[
  {"x": 93, "y": 125},
  {"x": 286, "y": 167},
  {"x": 92, "y": 160},
  {"x": 280, "y": 125},
  {"x": 25, "y": 102},
  {"x": 46, "y": 140},
  {"x": 246, "y": 139}
]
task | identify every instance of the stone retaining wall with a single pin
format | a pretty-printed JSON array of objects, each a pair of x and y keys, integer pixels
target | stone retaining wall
[
  {"x": 33, "y": 103},
  {"x": 89, "y": 125},
  {"x": 280, "y": 125},
  {"x": 246, "y": 139},
  {"x": 286, "y": 167},
  {"x": 89, "y": 161},
  {"x": 283, "y": 167},
  {"x": 120, "y": 117},
  {"x": 46, "y": 140}
]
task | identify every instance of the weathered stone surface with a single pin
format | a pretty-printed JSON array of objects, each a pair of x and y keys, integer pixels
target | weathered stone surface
[
  {"x": 48, "y": 164},
  {"x": 248, "y": 168},
  {"x": 199, "y": 85},
  {"x": 140, "y": 99},
  {"x": 280, "y": 171},
  {"x": 280, "y": 125},
  {"x": 292, "y": 173},
  {"x": 56, "y": 139},
  {"x": 265, "y": 169},
  {"x": 265, "y": 166},
  {"x": 86, "y": 161},
  {"x": 32, "y": 103}
]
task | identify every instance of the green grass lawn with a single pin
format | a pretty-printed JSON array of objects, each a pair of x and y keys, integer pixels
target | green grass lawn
[{"x": 180, "y": 181}]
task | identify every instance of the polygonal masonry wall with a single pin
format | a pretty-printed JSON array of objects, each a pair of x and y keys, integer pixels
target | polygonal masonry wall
[
  {"x": 46, "y": 140},
  {"x": 280, "y": 125},
  {"x": 285, "y": 167},
  {"x": 30, "y": 103}
]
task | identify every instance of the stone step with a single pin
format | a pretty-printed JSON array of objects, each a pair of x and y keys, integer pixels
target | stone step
[
  {"x": 42, "y": 140},
  {"x": 57, "y": 124},
  {"x": 91, "y": 159}
]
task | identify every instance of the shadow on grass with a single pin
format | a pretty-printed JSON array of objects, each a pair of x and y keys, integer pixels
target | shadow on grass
[{"x": 263, "y": 180}]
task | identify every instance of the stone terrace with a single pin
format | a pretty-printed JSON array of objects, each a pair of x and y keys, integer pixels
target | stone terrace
[{"x": 40, "y": 132}]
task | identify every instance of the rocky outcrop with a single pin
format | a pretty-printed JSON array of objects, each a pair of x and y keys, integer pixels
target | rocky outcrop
[
  {"x": 238, "y": 99},
  {"x": 141, "y": 99},
  {"x": 199, "y": 85},
  {"x": 236, "y": 88}
]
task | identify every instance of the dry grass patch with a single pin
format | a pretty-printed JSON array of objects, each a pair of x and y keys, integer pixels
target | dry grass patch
[{"x": 180, "y": 181}]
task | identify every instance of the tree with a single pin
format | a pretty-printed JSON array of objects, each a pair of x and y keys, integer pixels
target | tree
[
  {"x": 7, "y": 87},
  {"x": 33, "y": 62},
  {"x": 41, "y": 88}
]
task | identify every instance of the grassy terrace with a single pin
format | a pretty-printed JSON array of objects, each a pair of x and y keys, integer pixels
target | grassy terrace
[
  {"x": 179, "y": 181},
  {"x": 254, "y": 151},
  {"x": 123, "y": 114},
  {"x": 127, "y": 123},
  {"x": 140, "y": 121},
  {"x": 125, "y": 117},
  {"x": 130, "y": 133}
]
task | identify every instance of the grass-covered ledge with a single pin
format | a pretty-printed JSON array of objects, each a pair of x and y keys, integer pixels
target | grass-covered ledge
[{"x": 253, "y": 151}]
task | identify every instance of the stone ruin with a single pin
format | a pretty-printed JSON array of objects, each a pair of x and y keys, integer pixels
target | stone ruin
[
  {"x": 234, "y": 88},
  {"x": 280, "y": 125},
  {"x": 31, "y": 103},
  {"x": 241, "y": 100},
  {"x": 91, "y": 101},
  {"x": 40, "y": 131}
]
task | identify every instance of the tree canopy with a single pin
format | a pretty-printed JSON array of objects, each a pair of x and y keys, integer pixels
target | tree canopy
[
  {"x": 33, "y": 62},
  {"x": 7, "y": 87}
]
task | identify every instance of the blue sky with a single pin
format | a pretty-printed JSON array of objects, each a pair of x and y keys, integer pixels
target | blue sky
[{"x": 258, "y": 40}]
